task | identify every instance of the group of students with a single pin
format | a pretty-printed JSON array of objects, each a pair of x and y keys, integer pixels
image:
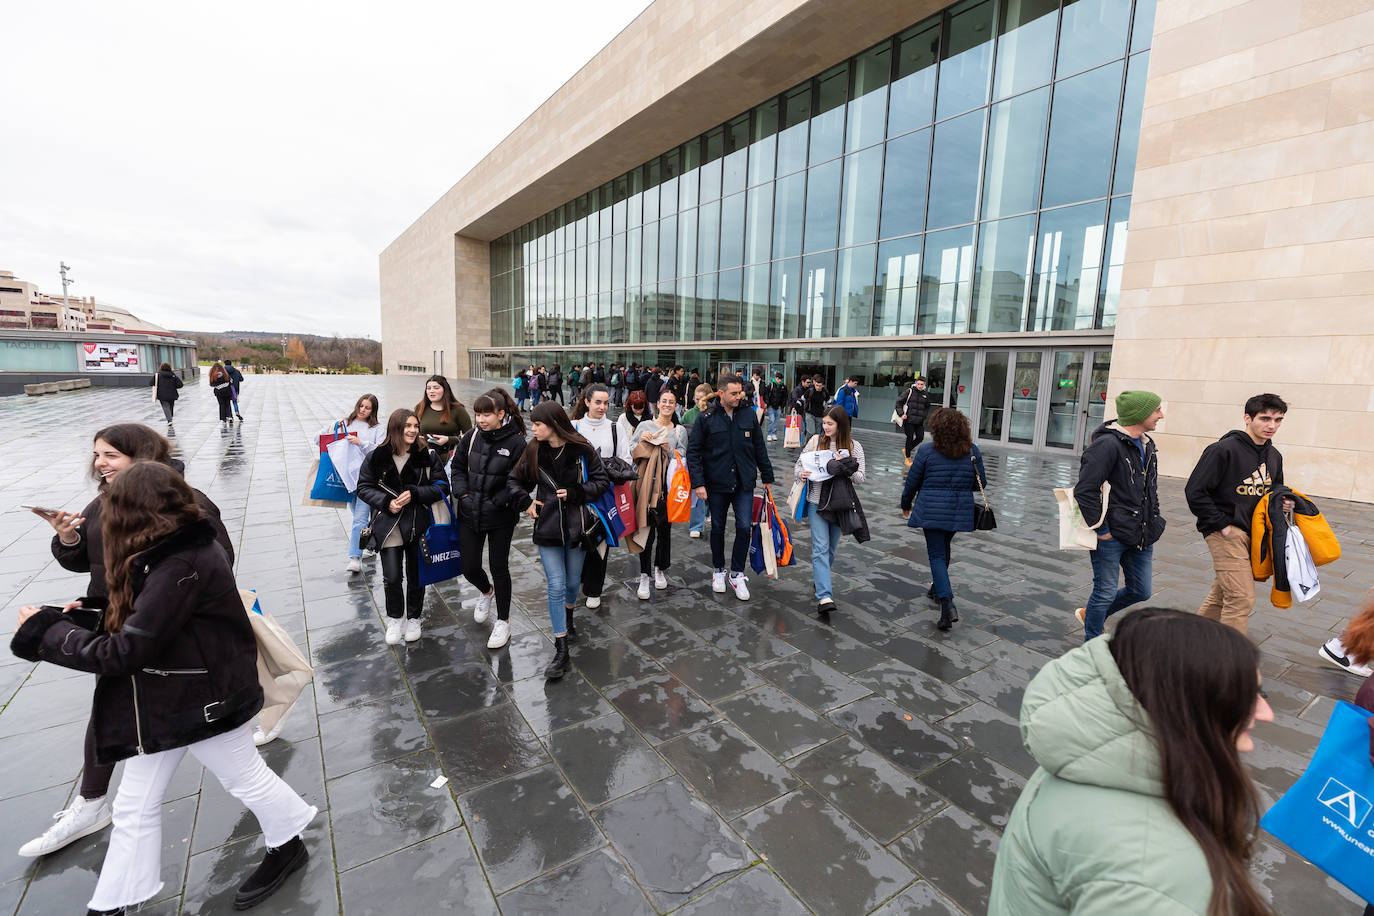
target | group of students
[{"x": 225, "y": 381}]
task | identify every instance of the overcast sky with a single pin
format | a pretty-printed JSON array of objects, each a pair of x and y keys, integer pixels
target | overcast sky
[{"x": 218, "y": 166}]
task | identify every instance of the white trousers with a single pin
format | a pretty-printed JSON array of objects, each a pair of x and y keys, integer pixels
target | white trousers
[{"x": 133, "y": 863}]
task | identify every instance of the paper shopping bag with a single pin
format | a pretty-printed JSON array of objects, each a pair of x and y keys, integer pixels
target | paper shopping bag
[
  {"x": 283, "y": 671},
  {"x": 679, "y": 491}
]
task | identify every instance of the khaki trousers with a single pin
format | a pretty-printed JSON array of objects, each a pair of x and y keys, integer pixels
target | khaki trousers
[{"x": 1232, "y": 598}]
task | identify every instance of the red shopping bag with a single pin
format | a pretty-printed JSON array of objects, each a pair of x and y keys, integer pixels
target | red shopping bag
[
  {"x": 679, "y": 491},
  {"x": 625, "y": 507},
  {"x": 791, "y": 437}
]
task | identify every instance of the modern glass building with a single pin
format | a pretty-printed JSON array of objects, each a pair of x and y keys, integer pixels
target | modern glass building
[{"x": 952, "y": 201}]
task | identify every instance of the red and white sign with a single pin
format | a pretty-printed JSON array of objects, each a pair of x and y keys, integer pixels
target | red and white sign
[
  {"x": 111, "y": 357},
  {"x": 1103, "y": 395},
  {"x": 961, "y": 389},
  {"x": 1025, "y": 392}
]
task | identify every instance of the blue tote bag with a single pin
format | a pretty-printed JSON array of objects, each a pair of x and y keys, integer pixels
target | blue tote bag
[
  {"x": 327, "y": 484},
  {"x": 1328, "y": 815},
  {"x": 440, "y": 557}
]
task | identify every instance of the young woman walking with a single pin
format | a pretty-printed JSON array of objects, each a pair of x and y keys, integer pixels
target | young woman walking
[
  {"x": 566, "y": 473},
  {"x": 636, "y": 412},
  {"x": 365, "y": 433},
  {"x": 400, "y": 480},
  {"x": 556, "y": 383},
  {"x": 1149, "y": 725},
  {"x": 479, "y": 475},
  {"x": 591, "y": 422},
  {"x": 177, "y": 665},
  {"x": 222, "y": 387},
  {"x": 443, "y": 418},
  {"x": 167, "y": 389},
  {"x": 656, "y": 443},
  {"x": 847, "y": 461},
  {"x": 78, "y": 546},
  {"x": 944, "y": 473},
  {"x": 701, "y": 397}
]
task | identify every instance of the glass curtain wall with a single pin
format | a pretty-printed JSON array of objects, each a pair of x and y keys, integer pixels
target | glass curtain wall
[{"x": 972, "y": 173}]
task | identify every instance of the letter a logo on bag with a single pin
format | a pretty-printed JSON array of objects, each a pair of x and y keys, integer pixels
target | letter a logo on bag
[{"x": 1345, "y": 801}]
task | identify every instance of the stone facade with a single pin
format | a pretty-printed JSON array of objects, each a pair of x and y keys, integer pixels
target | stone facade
[{"x": 1251, "y": 259}]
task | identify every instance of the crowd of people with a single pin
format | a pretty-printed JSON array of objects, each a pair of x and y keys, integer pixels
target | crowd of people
[{"x": 1148, "y": 723}]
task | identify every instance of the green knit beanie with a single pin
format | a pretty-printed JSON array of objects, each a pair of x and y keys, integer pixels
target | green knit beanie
[{"x": 1134, "y": 407}]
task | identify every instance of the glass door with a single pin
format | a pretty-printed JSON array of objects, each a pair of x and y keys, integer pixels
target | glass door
[
  {"x": 993, "y": 402},
  {"x": 1066, "y": 398},
  {"x": 1025, "y": 397},
  {"x": 936, "y": 363},
  {"x": 961, "y": 381},
  {"x": 1095, "y": 409}
]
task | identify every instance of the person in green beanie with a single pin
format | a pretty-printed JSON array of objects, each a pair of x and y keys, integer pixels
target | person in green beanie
[{"x": 1118, "y": 483}]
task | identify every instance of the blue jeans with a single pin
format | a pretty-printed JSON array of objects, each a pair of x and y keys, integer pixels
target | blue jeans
[
  {"x": 772, "y": 414},
  {"x": 720, "y": 504},
  {"x": 699, "y": 515},
  {"x": 1110, "y": 557},
  {"x": 938, "y": 553},
  {"x": 563, "y": 569},
  {"x": 825, "y": 538},
  {"x": 361, "y": 511}
]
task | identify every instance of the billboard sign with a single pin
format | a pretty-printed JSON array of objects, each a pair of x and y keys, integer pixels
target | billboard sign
[{"x": 111, "y": 357}]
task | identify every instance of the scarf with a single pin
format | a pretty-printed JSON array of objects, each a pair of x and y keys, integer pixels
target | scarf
[{"x": 651, "y": 456}]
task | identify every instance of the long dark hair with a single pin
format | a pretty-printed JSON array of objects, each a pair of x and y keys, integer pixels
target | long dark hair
[
  {"x": 842, "y": 425},
  {"x": 139, "y": 442},
  {"x": 580, "y": 408},
  {"x": 144, "y": 504},
  {"x": 1359, "y": 636},
  {"x": 951, "y": 433},
  {"x": 1199, "y": 682},
  {"x": 372, "y": 418},
  {"x": 500, "y": 399},
  {"x": 449, "y": 402},
  {"x": 550, "y": 413},
  {"x": 396, "y": 432}
]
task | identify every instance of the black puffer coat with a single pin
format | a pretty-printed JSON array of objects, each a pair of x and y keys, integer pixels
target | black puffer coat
[
  {"x": 181, "y": 669},
  {"x": 1133, "y": 516},
  {"x": 481, "y": 466},
  {"x": 167, "y": 384},
  {"x": 87, "y": 555},
  {"x": 559, "y": 522},
  {"x": 422, "y": 474}
]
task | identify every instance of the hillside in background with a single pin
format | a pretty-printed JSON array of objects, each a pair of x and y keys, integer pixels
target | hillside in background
[{"x": 302, "y": 351}]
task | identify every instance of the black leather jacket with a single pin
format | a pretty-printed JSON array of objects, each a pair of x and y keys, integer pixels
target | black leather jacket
[
  {"x": 423, "y": 475},
  {"x": 559, "y": 522}
]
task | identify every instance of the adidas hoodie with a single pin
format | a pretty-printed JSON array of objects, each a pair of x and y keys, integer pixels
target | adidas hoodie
[{"x": 1229, "y": 479}]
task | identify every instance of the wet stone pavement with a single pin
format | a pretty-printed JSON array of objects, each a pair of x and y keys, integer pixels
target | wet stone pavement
[{"x": 706, "y": 755}]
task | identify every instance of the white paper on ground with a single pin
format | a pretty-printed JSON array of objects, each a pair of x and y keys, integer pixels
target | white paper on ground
[{"x": 439, "y": 783}]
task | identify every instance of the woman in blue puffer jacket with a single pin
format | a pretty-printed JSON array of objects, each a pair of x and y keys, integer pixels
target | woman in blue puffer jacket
[{"x": 941, "y": 480}]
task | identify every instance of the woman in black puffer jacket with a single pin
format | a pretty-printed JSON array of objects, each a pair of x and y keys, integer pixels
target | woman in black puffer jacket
[
  {"x": 479, "y": 473},
  {"x": 177, "y": 666},
  {"x": 400, "y": 480}
]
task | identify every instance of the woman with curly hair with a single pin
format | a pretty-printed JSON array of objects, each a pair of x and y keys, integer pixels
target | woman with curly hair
[{"x": 941, "y": 481}]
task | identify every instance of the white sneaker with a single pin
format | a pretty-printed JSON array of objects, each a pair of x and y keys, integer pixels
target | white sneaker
[
  {"x": 482, "y": 611},
  {"x": 694, "y": 534},
  {"x": 593, "y": 602},
  {"x": 660, "y": 580},
  {"x": 500, "y": 634},
  {"x": 1333, "y": 652},
  {"x": 412, "y": 629},
  {"x": 393, "y": 631},
  {"x": 369, "y": 553},
  {"x": 643, "y": 592},
  {"x": 83, "y": 818},
  {"x": 355, "y": 564},
  {"x": 740, "y": 585},
  {"x": 718, "y": 582}
]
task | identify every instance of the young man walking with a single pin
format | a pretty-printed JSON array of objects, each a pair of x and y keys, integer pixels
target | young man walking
[
  {"x": 726, "y": 454},
  {"x": 848, "y": 396},
  {"x": 774, "y": 398},
  {"x": 816, "y": 407},
  {"x": 1122, "y": 455},
  {"x": 1228, "y": 480},
  {"x": 913, "y": 406}
]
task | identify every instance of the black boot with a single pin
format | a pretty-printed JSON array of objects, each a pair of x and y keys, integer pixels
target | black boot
[
  {"x": 117, "y": 911},
  {"x": 953, "y": 610},
  {"x": 559, "y": 666},
  {"x": 930, "y": 593},
  {"x": 947, "y": 616},
  {"x": 276, "y": 867},
  {"x": 572, "y": 627}
]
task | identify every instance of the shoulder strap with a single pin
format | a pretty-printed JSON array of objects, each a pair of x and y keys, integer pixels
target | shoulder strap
[{"x": 615, "y": 441}]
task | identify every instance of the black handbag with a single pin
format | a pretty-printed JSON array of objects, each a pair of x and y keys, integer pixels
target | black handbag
[{"x": 983, "y": 519}]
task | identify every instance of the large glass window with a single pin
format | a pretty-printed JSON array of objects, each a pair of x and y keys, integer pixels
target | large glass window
[
  {"x": 796, "y": 118},
  {"x": 1082, "y": 134},
  {"x": 1016, "y": 140},
  {"x": 1025, "y": 46},
  {"x": 1143, "y": 25},
  {"x": 756, "y": 311},
  {"x": 966, "y": 62},
  {"x": 732, "y": 231},
  {"x": 822, "y": 206},
  {"x": 728, "y": 298},
  {"x": 818, "y": 293},
  {"x": 898, "y": 286},
  {"x": 713, "y": 145},
  {"x": 686, "y": 243},
  {"x": 954, "y": 171},
  {"x": 708, "y": 228},
  {"x": 867, "y": 116},
  {"x": 854, "y": 290},
  {"x": 946, "y": 282},
  {"x": 1002, "y": 283},
  {"x": 913, "y": 90},
  {"x": 787, "y": 295},
  {"x": 758, "y": 235},
  {"x": 1068, "y": 262},
  {"x": 788, "y": 216},
  {"x": 1116, "y": 260},
  {"x": 862, "y": 185},
  {"x": 1128, "y": 142},
  {"x": 904, "y": 184},
  {"x": 650, "y": 264},
  {"x": 763, "y": 144},
  {"x": 827, "y": 127},
  {"x": 1092, "y": 32},
  {"x": 734, "y": 172}
]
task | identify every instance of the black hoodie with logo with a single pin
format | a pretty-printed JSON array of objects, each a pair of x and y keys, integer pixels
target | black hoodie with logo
[{"x": 1229, "y": 479}]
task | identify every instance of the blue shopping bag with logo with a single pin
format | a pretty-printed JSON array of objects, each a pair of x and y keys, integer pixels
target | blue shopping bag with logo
[
  {"x": 1328, "y": 815},
  {"x": 327, "y": 485},
  {"x": 440, "y": 557}
]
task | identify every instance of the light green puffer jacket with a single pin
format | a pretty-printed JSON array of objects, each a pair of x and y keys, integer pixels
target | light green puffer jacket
[{"x": 1092, "y": 833}]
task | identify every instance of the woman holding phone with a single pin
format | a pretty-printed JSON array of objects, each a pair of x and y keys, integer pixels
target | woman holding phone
[
  {"x": 443, "y": 418},
  {"x": 78, "y": 546},
  {"x": 565, "y": 472}
]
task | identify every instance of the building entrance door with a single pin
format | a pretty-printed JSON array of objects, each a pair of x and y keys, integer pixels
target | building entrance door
[{"x": 1077, "y": 393}]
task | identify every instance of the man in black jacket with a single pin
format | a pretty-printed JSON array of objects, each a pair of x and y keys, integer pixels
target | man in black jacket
[
  {"x": 725, "y": 456},
  {"x": 815, "y": 407},
  {"x": 653, "y": 385},
  {"x": 1121, "y": 455},
  {"x": 1227, "y": 481},
  {"x": 774, "y": 399},
  {"x": 913, "y": 405}
]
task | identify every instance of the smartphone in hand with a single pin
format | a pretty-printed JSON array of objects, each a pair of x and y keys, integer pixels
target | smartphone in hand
[{"x": 43, "y": 511}]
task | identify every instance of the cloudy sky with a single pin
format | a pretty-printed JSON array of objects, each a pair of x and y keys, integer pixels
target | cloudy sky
[{"x": 241, "y": 166}]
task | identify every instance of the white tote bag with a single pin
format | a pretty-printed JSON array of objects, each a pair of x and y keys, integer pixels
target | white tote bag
[
  {"x": 283, "y": 671},
  {"x": 1074, "y": 531}
]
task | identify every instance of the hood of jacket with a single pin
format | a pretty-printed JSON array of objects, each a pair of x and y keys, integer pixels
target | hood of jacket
[
  {"x": 1082, "y": 724},
  {"x": 1115, "y": 429}
]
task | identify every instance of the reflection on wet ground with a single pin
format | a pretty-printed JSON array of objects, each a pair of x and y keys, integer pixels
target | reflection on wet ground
[{"x": 706, "y": 755}]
